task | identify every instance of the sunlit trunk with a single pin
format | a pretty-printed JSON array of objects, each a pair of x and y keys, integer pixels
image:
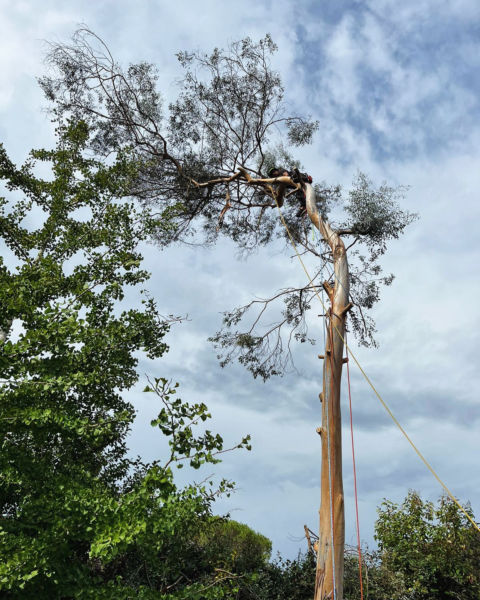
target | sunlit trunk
[{"x": 329, "y": 573}]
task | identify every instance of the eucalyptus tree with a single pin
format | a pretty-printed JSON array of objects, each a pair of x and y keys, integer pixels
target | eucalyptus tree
[{"x": 203, "y": 165}]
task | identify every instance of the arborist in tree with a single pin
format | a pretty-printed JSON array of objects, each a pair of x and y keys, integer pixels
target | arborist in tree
[{"x": 297, "y": 177}]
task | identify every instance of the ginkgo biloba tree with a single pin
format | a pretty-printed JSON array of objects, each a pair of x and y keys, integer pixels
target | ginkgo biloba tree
[
  {"x": 204, "y": 163},
  {"x": 80, "y": 518}
]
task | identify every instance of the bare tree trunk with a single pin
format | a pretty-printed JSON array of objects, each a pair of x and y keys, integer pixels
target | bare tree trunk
[{"x": 329, "y": 573}]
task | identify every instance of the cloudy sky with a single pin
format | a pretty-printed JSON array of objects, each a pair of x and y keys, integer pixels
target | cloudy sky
[{"x": 395, "y": 87}]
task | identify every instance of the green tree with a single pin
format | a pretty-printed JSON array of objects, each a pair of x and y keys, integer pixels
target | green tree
[
  {"x": 79, "y": 518},
  {"x": 434, "y": 548},
  {"x": 235, "y": 546}
]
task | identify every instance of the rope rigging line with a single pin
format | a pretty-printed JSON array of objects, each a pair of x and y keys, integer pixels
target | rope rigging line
[
  {"x": 357, "y": 520},
  {"x": 355, "y": 480},
  {"x": 353, "y": 455},
  {"x": 330, "y": 486},
  {"x": 377, "y": 394}
]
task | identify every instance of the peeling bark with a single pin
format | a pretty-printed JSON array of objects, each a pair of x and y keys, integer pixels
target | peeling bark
[{"x": 329, "y": 573}]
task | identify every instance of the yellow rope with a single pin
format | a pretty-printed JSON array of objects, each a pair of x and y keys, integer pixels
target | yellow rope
[{"x": 384, "y": 404}]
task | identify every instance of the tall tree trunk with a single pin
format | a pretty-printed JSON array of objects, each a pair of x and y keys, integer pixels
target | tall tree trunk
[{"x": 329, "y": 573}]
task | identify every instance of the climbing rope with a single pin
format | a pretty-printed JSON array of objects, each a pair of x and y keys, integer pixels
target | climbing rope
[
  {"x": 357, "y": 520},
  {"x": 330, "y": 483},
  {"x": 359, "y": 547},
  {"x": 382, "y": 401}
]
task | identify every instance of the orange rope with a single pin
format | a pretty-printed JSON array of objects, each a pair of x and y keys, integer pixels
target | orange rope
[{"x": 354, "y": 478}]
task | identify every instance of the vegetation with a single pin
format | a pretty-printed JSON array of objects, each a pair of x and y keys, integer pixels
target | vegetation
[
  {"x": 206, "y": 165},
  {"x": 282, "y": 580},
  {"x": 203, "y": 165},
  {"x": 234, "y": 547},
  {"x": 433, "y": 548},
  {"x": 79, "y": 518},
  {"x": 425, "y": 551}
]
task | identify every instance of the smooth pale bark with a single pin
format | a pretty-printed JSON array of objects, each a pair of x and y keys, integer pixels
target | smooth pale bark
[{"x": 329, "y": 571}]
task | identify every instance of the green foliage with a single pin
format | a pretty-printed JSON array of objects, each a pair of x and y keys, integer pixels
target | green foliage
[
  {"x": 177, "y": 419},
  {"x": 281, "y": 580},
  {"x": 375, "y": 214},
  {"x": 80, "y": 519},
  {"x": 434, "y": 548},
  {"x": 373, "y": 218},
  {"x": 229, "y": 119},
  {"x": 379, "y": 581},
  {"x": 264, "y": 355},
  {"x": 234, "y": 547},
  {"x": 228, "y": 113}
]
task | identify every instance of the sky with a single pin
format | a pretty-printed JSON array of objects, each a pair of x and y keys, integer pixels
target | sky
[{"x": 395, "y": 88}]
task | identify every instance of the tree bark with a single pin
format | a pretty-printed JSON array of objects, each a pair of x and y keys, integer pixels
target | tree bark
[{"x": 329, "y": 572}]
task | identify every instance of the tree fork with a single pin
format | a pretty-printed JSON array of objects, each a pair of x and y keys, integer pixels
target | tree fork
[{"x": 329, "y": 572}]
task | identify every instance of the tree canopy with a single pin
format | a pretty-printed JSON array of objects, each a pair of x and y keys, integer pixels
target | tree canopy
[{"x": 204, "y": 164}]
